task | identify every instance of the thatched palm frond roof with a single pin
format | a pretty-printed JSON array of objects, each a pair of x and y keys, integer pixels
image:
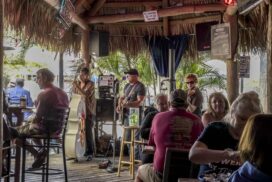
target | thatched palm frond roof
[{"x": 35, "y": 20}]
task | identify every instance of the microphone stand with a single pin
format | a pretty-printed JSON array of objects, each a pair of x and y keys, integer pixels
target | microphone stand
[{"x": 112, "y": 168}]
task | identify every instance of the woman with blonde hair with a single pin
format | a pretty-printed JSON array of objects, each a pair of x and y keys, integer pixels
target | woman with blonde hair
[
  {"x": 216, "y": 148},
  {"x": 255, "y": 151},
  {"x": 218, "y": 107}
]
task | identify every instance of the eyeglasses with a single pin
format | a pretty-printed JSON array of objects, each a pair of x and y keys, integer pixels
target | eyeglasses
[{"x": 191, "y": 82}]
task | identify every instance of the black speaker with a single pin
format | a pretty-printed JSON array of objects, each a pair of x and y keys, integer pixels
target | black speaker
[
  {"x": 104, "y": 109},
  {"x": 99, "y": 43},
  {"x": 203, "y": 35}
]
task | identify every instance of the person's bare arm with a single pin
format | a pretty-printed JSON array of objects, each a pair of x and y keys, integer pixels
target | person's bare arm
[
  {"x": 77, "y": 89},
  {"x": 136, "y": 103},
  {"x": 206, "y": 119},
  {"x": 200, "y": 154},
  {"x": 119, "y": 106}
]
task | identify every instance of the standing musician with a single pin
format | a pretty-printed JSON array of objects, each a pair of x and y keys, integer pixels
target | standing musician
[
  {"x": 86, "y": 88},
  {"x": 134, "y": 95},
  {"x": 194, "y": 95}
]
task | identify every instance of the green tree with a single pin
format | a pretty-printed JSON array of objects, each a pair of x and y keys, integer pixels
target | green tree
[
  {"x": 117, "y": 63},
  {"x": 208, "y": 76},
  {"x": 13, "y": 64}
]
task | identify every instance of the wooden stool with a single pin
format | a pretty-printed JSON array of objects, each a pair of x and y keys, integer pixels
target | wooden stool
[{"x": 132, "y": 143}]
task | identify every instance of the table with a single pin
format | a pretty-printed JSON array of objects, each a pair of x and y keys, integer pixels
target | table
[{"x": 19, "y": 113}]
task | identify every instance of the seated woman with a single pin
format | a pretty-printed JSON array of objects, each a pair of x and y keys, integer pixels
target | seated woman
[
  {"x": 218, "y": 107},
  {"x": 218, "y": 142},
  {"x": 255, "y": 151}
]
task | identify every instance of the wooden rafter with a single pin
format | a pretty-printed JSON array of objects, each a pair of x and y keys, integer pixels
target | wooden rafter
[
  {"x": 97, "y": 6},
  {"x": 86, "y": 5},
  {"x": 133, "y": 4},
  {"x": 75, "y": 18},
  {"x": 166, "y": 12},
  {"x": 78, "y": 5},
  {"x": 194, "y": 20}
]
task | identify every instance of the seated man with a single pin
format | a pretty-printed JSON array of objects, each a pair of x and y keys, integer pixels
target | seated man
[
  {"x": 15, "y": 93},
  {"x": 161, "y": 105},
  {"x": 49, "y": 99},
  {"x": 176, "y": 128}
]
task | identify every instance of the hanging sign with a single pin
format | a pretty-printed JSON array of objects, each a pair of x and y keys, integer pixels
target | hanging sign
[
  {"x": 244, "y": 66},
  {"x": 151, "y": 16},
  {"x": 65, "y": 12},
  {"x": 221, "y": 41}
]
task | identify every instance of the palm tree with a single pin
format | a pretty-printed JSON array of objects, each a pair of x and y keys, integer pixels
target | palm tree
[
  {"x": 117, "y": 63},
  {"x": 208, "y": 76}
]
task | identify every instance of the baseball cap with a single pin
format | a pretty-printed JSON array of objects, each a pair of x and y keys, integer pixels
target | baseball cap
[
  {"x": 178, "y": 98},
  {"x": 132, "y": 72}
]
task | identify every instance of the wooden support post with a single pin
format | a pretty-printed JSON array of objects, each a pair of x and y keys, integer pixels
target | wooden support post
[
  {"x": 268, "y": 107},
  {"x": 1, "y": 81},
  {"x": 165, "y": 19},
  {"x": 61, "y": 79},
  {"x": 85, "y": 47},
  {"x": 232, "y": 80},
  {"x": 232, "y": 65}
]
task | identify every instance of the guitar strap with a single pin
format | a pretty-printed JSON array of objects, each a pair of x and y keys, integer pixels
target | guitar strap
[
  {"x": 131, "y": 91},
  {"x": 127, "y": 97}
]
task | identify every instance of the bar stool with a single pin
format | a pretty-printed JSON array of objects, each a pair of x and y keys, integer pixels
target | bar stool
[
  {"x": 132, "y": 143},
  {"x": 60, "y": 116}
]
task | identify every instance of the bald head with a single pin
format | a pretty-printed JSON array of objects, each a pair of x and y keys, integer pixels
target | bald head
[{"x": 161, "y": 102}]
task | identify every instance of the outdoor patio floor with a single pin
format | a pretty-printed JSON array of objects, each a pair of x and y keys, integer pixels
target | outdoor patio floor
[{"x": 84, "y": 171}]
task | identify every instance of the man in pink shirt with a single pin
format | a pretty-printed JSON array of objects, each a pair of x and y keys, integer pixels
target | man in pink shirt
[
  {"x": 47, "y": 103},
  {"x": 176, "y": 128}
]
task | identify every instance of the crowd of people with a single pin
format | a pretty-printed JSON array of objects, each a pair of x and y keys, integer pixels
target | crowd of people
[{"x": 236, "y": 137}]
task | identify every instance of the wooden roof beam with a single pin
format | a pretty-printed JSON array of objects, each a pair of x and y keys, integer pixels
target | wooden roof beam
[
  {"x": 193, "y": 20},
  {"x": 85, "y": 6},
  {"x": 97, "y": 6},
  {"x": 165, "y": 4},
  {"x": 171, "y": 11},
  {"x": 133, "y": 4},
  {"x": 75, "y": 18},
  {"x": 79, "y": 4}
]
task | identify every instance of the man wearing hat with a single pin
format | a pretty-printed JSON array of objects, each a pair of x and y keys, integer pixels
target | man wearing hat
[
  {"x": 134, "y": 95},
  {"x": 176, "y": 128}
]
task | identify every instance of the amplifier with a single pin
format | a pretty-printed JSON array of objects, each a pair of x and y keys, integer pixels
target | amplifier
[{"x": 105, "y": 109}]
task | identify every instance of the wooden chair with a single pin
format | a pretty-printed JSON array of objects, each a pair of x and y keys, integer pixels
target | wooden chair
[
  {"x": 60, "y": 115},
  {"x": 177, "y": 165}
]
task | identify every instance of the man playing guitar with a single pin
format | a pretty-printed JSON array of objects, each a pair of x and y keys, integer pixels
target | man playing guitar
[{"x": 134, "y": 95}]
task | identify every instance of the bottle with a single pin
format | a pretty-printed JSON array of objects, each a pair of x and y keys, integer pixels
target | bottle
[
  {"x": 133, "y": 117},
  {"x": 22, "y": 101}
]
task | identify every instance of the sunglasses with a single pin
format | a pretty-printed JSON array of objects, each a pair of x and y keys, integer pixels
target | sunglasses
[{"x": 191, "y": 82}]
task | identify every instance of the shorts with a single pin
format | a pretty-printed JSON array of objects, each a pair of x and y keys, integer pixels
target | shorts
[{"x": 147, "y": 173}]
